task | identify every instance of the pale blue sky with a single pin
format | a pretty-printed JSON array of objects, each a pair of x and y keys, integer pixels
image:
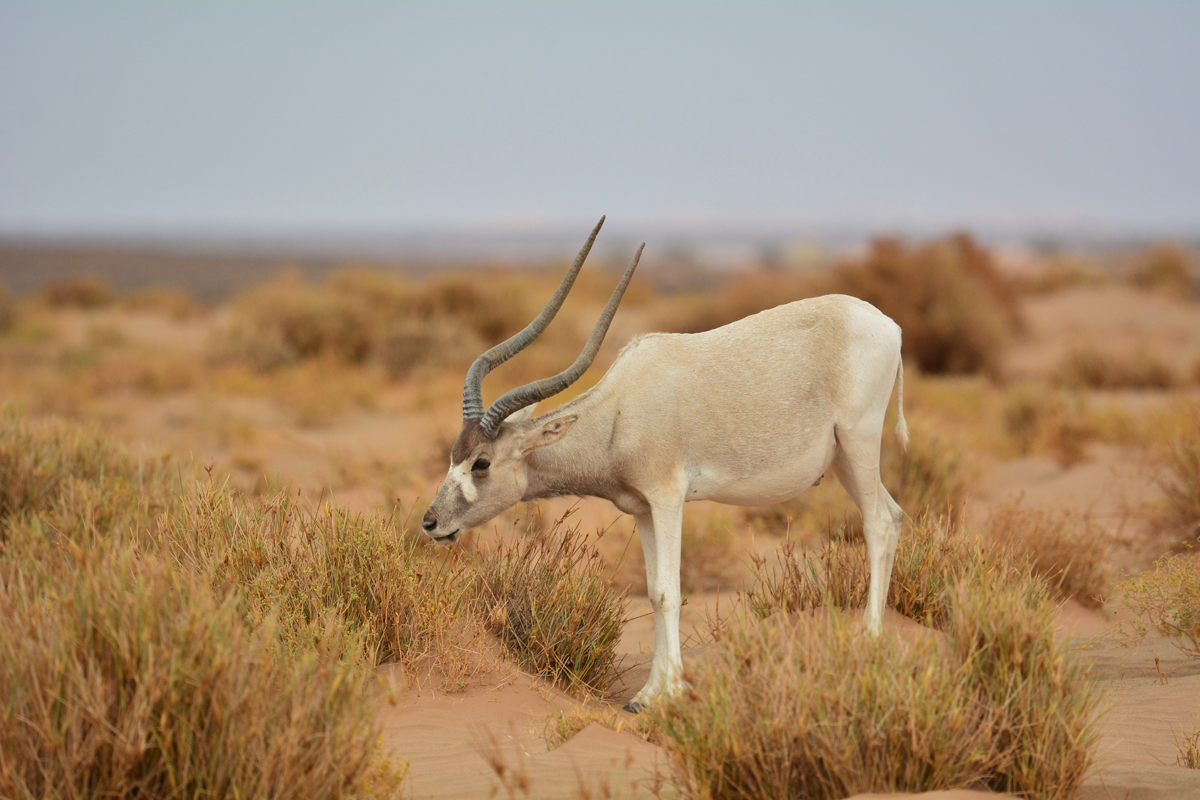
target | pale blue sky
[{"x": 184, "y": 116}]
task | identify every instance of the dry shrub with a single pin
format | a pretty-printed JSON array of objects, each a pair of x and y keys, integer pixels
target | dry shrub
[
  {"x": 359, "y": 315},
  {"x": 747, "y": 293},
  {"x": 44, "y": 463},
  {"x": 1189, "y": 750},
  {"x": 8, "y": 310},
  {"x": 931, "y": 559},
  {"x": 169, "y": 302},
  {"x": 298, "y": 564},
  {"x": 1179, "y": 457},
  {"x": 82, "y": 292},
  {"x": 710, "y": 558},
  {"x": 956, "y": 309},
  {"x": 1068, "y": 552},
  {"x": 547, "y": 598},
  {"x": 130, "y": 679},
  {"x": 1169, "y": 597},
  {"x": 822, "y": 711},
  {"x": 929, "y": 478},
  {"x": 1165, "y": 267},
  {"x": 1058, "y": 275},
  {"x": 1092, "y": 368},
  {"x": 563, "y": 725}
]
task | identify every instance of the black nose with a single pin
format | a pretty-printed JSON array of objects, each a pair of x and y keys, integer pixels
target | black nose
[{"x": 429, "y": 521}]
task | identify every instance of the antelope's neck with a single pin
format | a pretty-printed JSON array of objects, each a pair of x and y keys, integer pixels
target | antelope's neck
[{"x": 578, "y": 464}]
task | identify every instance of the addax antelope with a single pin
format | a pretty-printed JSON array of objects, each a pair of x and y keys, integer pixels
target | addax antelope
[{"x": 751, "y": 413}]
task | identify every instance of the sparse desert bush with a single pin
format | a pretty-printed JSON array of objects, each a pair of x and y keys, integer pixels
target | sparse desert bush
[
  {"x": 1189, "y": 749},
  {"x": 1091, "y": 368},
  {"x": 788, "y": 707},
  {"x": 44, "y": 464},
  {"x": 127, "y": 678},
  {"x": 174, "y": 303},
  {"x": 298, "y": 565},
  {"x": 547, "y": 598},
  {"x": 1059, "y": 274},
  {"x": 562, "y": 725},
  {"x": 1068, "y": 552},
  {"x": 1169, "y": 598},
  {"x": 743, "y": 295},
  {"x": 82, "y": 292},
  {"x": 359, "y": 315},
  {"x": 8, "y": 310},
  {"x": 931, "y": 559},
  {"x": 710, "y": 551},
  {"x": 929, "y": 478},
  {"x": 1179, "y": 457},
  {"x": 956, "y": 309},
  {"x": 1026, "y": 412},
  {"x": 1165, "y": 267}
]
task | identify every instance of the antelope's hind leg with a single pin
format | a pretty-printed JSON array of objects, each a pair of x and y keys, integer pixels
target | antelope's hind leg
[{"x": 857, "y": 467}]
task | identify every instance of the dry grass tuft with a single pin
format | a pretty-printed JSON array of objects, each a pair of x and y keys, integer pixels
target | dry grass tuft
[
  {"x": 548, "y": 601},
  {"x": 560, "y": 727},
  {"x": 956, "y": 309},
  {"x": 83, "y": 292},
  {"x": 1091, "y": 368},
  {"x": 1189, "y": 749},
  {"x": 1168, "y": 268},
  {"x": 130, "y": 679},
  {"x": 1179, "y": 458},
  {"x": 8, "y": 310},
  {"x": 711, "y": 551},
  {"x": 931, "y": 558},
  {"x": 789, "y": 709},
  {"x": 1068, "y": 552},
  {"x": 1168, "y": 596},
  {"x": 358, "y": 316}
]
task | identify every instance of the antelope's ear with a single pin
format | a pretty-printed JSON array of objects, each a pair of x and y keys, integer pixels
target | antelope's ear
[
  {"x": 522, "y": 414},
  {"x": 548, "y": 433}
]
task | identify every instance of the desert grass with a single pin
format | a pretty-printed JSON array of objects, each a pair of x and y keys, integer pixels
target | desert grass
[
  {"x": 1167, "y": 598},
  {"x": 1179, "y": 458},
  {"x": 131, "y": 679},
  {"x": 788, "y": 708},
  {"x": 1092, "y": 368},
  {"x": 931, "y": 558},
  {"x": 1167, "y": 268},
  {"x": 562, "y": 725},
  {"x": 549, "y": 601},
  {"x": 1061, "y": 547},
  {"x": 1188, "y": 745},
  {"x": 172, "y": 636}
]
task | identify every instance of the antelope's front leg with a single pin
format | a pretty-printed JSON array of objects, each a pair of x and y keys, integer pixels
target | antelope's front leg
[{"x": 661, "y": 532}]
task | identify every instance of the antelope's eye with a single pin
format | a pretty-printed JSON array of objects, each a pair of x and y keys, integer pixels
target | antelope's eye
[{"x": 480, "y": 465}]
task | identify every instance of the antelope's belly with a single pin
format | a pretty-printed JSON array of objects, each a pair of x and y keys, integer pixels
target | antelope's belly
[{"x": 757, "y": 484}]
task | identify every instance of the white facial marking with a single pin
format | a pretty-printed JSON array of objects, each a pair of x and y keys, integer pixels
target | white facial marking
[{"x": 462, "y": 479}]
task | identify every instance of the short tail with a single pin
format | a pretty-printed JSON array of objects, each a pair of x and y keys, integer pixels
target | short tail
[{"x": 901, "y": 425}]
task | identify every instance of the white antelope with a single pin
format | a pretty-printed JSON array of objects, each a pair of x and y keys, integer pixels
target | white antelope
[{"x": 751, "y": 413}]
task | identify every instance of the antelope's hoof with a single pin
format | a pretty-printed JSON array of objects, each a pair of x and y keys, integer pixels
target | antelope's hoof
[{"x": 633, "y": 707}]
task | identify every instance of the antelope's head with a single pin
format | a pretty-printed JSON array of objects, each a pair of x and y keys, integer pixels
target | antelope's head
[{"x": 488, "y": 466}]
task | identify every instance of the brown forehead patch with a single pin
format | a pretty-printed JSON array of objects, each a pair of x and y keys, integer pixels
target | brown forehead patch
[{"x": 470, "y": 435}]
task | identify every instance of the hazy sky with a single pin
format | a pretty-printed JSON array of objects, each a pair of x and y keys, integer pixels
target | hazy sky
[{"x": 169, "y": 116}]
